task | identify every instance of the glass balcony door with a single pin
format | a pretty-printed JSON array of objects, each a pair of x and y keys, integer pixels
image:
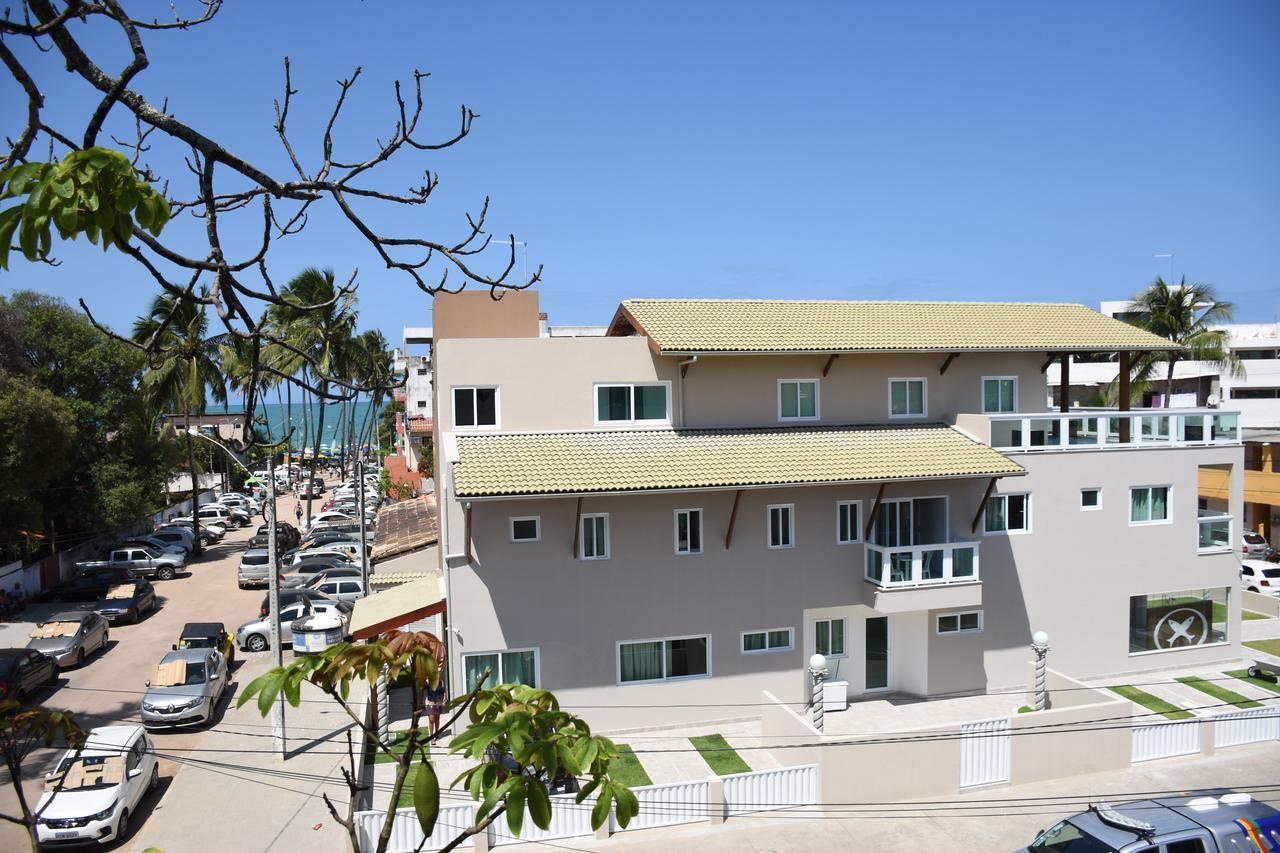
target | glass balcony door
[{"x": 877, "y": 653}]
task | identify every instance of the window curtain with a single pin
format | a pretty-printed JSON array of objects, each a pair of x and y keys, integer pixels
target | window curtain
[
  {"x": 1139, "y": 504},
  {"x": 790, "y": 402},
  {"x": 473, "y": 666},
  {"x": 1159, "y": 504},
  {"x": 996, "y": 514},
  {"x": 640, "y": 661},
  {"x": 753, "y": 642},
  {"x": 518, "y": 668},
  {"x": 779, "y": 639}
]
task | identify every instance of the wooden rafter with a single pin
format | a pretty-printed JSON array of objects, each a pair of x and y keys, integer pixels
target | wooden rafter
[
  {"x": 982, "y": 507},
  {"x": 733, "y": 519},
  {"x": 1126, "y": 366},
  {"x": 1048, "y": 361},
  {"x": 1064, "y": 385},
  {"x": 466, "y": 531},
  {"x": 577, "y": 528},
  {"x": 947, "y": 363},
  {"x": 875, "y": 511},
  {"x": 831, "y": 359}
]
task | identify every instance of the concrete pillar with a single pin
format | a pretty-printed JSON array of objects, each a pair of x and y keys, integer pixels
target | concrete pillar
[
  {"x": 606, "y": 828},
  {"x": 481, "y": 839},
  {"x": 715, "y": 800}
]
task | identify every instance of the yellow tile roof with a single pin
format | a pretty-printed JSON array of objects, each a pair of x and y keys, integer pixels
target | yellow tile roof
[
  {"x": 776, "y": 325},
  {"x": 651, "y": 460}
]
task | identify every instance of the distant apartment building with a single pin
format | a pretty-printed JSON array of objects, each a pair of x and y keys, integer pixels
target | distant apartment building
[{"x": 661, "y": 522}]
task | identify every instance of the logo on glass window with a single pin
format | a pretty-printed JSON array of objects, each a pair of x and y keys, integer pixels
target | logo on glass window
[{"x": 1181, "y": 627}]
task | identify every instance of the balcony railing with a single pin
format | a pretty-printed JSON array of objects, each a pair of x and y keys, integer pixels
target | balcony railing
[
  {"x": 1105, "y": 429},
  {"x": 1215, "y": 531},
  {"x": 922, "y": 565}
]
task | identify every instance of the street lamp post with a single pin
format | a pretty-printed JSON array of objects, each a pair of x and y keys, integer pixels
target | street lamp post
[
  {"x": 273, "y": 585},
  {"x": 1040, "y": 645},
  {"x": 818, "y": 672}
]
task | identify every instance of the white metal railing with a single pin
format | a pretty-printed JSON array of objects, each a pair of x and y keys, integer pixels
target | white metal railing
[
  {"x": 921, "y": 565},
  {"x": 568, "y": 819},
  {"x": 1098, "y": 429},
  {"x": 1215, "y": 531},
  {"x": 406, "y": 833},
  {"x": 767, "y": 790},
  {"x": 984, "y": 752},
  {"x": 1251, "y": 726},
  {"x": 1164, "y": 740},
  {"x": 667, "y": 805}
]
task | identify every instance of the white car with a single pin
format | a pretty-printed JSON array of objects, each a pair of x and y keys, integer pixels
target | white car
[
  {"x": 88, "y": 798},
  {"x": 1260, "y": 576},
  {"x": 1255, "y": 545},
  {"x": 217, "y": 528},
  {"x": 329, "y": 517}
]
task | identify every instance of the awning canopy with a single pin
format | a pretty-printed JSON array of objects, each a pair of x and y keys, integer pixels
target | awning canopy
[{"x": 396, "y": 607}]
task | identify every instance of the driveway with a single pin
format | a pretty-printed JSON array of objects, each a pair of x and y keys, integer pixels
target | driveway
[{"x": 110, "y": 686}]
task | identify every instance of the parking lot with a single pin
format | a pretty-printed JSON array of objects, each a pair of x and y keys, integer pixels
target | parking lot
[{"x": 109, "y": 687}]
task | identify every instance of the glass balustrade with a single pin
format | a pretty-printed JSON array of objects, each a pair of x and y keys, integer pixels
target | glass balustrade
[
  {"x": 1095, "y": 429},
  {"x": 922, "y": 565}
]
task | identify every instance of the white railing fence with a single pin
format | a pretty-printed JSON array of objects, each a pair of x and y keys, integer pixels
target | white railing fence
[
  {"x": 1251, "y": 726},
  {"x": 406, "y": 834},
  {"x": 767, "y": 790},
  {"x": 567, "y": 820},
  {"x": 1164, "y": 740},
  {"x": 668, "y": 805},
  {"x": 984, "y": 752}
]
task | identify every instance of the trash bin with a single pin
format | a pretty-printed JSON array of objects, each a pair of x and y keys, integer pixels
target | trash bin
[
  {"x": 316, "y": 632},
  {"x": 835, "y": 695}
]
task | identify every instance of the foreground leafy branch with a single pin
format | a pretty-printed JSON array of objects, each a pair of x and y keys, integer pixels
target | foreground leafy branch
[
  {"x": 523, "y": 742},
  {"x": 22, "y": 729}
]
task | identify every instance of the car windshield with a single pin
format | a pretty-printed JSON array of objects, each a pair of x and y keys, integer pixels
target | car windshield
[
  {"x": 256, "y": 559},
  {"x": 1066, "y": 836},
  {"x": 197, "y": 643},
  {"x": 1271, "y": 573},
  {"x": 7, "y": 666},
  {"x": 195, "y": 672},
  {"x": 91, "y": 771},
  {"x": 1254, "y": 539}
]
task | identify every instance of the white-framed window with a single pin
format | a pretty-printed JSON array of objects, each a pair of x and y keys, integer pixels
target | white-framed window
[
  {"x": 1091, "y": 499},
  {"x": 664, "y": 659},
  {"x": 594, "y": 536},
  {"x": 1149, "y": 505},
  {"x": 688, "y": 531},
  {"x": 527, "y": 528},
  {"x": 1008, "y": 514},
  {"x": 633, "y": 403},
  {"x": 829, "y": 637},
  {"x": 968, "y": 622},
  {"x": 999, "y": 394},
  {"x": 768, "y": 640},
  {"x": 506, "y": 666},
  {"x": 908, "y": 397},
  {"x": 475, "y": 407},
  {"x": 798, "y": 400},
  {"x": 848, "y": 521},
  {"x": 781, "y": 532},
  {"x": 422, "y": 404}
]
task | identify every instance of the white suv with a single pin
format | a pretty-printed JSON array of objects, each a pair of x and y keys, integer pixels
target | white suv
[{"x": 89, "y": 797}]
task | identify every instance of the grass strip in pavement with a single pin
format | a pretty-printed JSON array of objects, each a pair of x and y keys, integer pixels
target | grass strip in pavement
[
  {"x": 1271, "y": 647},
  {"x": 1218, "y": 692},
  {"x": 1249, "y": 614},
  {"x": 627, "y": 769},
  {"x": 1151, "y": 703},
  {"x": 1243, "y": 675},
  {"x": 715, "y": 750}
]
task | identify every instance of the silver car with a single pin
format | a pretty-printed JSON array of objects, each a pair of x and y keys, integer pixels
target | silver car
[
  {"x": 184, "y": 689},
  {"x": 69, "y": 637},
  {"x": 255, "y": 635}
]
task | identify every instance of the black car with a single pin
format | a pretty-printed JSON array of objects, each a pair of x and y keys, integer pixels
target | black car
[
  {"x": 127, "y": 602},
  {"x": 23, "y": 670},
  {"x": 207, "y": 635},
  {"x": 287, "y": 536},
  {"x": 93, "y": 584},
  {"x": 321, "y": 558}
]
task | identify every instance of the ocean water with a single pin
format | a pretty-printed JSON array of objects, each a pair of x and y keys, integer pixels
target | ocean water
[{"x": 275, "y": 416}]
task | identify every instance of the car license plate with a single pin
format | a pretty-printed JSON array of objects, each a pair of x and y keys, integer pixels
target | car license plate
[{"x": 66, "y": 835}]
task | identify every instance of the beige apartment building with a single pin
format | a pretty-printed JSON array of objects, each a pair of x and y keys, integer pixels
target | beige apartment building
[{"x": 660, "y": 523}]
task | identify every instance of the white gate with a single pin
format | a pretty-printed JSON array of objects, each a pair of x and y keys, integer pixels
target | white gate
[
  {"x": 567, "y": 820},
  {"x": 984, "y": 752},
  {"x": 667, "y": 805},
  {"x": 406, "y": 834},
  {"x": 766, "y": 790},
  {"x": 1252, "y": 726},
  {"x": 1163, "y": 740}
]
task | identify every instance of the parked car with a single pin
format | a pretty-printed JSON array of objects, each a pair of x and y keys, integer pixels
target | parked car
[
  {"x": 99, "y": 788},
  {"x": 246, "y": 502},
  {"x": 1260, "y": 576},
  {"x": 1212, "y": 821},
  {"x": 255, "y": 568},
  {"x": 92, "y": 584},
  {"x": 335, "y": 572},
  {"x": 1255, "y": 545},
  {"x": 322, "y": 517},
  {"x": 255, "y": 635},
  {"x": 184, "y": 689},
  {"x": 155, "y": 543},
  {"x": 176, "y": 536},
  {"x": 70, "y": 636},
  {"x": 324, "y": 537},
  {"x": 348, "y": 589},
  {"x": 207, "y": 635},
  {"x": 289, "y": 596},
  {"x": 141, "y": 561},
  {"x": 127, "y": 601},
  {"x": 321, "y": 554},
  {"x": 210, "y": 534},
  {"x": 302, "y": 574},
  {"x": 287, "y": 536},
  {"x": 24, "y": 670},
  {"x": 217, "y": 513}
]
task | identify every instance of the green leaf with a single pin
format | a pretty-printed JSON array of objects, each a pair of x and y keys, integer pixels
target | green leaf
[
  {"x": 426, "y": 797},
  {"x": 495, "y": 794},
  {"x": 21, "y": 177},
  {"x": 64, "y": 188},
  {"x": 569, "y": 761},
  {"x": 476, "y": 783},
  {"x": 586, "y": 790},
  {"x": 27, "y": 238},
  {"x": 600, "y": 812},
  {"x": 515, "y": 809},
  {"x": 539, "y": 804},
  {"x": 626, "y": 804},
  {"x": 9, "y": 220}
]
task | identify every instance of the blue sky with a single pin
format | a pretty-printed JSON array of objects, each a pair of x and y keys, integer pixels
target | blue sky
[{"x": 890, "y": 150}]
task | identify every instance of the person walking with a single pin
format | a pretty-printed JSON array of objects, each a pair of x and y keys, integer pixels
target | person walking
[{"x": 297, "y": 513}]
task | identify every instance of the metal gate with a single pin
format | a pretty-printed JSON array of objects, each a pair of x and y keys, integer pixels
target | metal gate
[{"x": 984, "y": 752}]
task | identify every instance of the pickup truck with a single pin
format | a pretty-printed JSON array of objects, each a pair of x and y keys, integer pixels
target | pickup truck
[
  {"x": 142, "y": 562},
  {"x": 1212, "y": 821}
]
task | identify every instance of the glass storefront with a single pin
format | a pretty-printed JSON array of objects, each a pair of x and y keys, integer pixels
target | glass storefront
[{"x": 1177, "y": 620}]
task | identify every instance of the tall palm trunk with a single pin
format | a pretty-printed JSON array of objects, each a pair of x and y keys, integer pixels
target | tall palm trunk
[
  {"x": 1168, "y": 382},
  {"x": 195, "y": 487}
]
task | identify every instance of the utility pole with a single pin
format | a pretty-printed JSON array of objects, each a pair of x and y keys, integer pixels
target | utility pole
[
  {"x": 273, "y": 605},
  {"x": 364, "y": 549}
]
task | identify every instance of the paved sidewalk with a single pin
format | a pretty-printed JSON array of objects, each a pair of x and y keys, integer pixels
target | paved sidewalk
[{"x": 1259, "y": 629}]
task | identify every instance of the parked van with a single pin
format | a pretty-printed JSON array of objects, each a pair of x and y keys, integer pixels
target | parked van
[{"x": 255, "y": 568}]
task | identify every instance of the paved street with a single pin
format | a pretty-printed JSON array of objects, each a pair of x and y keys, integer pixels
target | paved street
[{"x": 109, "y": 688}]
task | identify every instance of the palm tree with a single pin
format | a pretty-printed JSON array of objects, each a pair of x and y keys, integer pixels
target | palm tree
[
  {"x": 186, "y": 374},
  {"x": 1184, "y": 314},
  {"x": 322, "y": 331}
]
